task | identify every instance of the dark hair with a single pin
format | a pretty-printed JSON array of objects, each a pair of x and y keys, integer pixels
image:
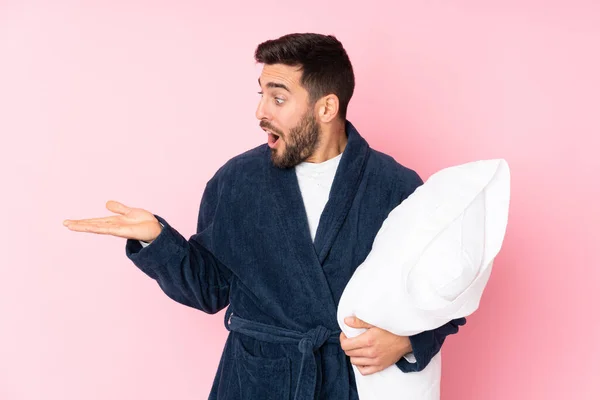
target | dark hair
[{"x": 326, "y": 68}]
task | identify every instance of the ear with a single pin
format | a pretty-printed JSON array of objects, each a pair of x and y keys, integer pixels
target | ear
[{"x": 327, "y": 108}]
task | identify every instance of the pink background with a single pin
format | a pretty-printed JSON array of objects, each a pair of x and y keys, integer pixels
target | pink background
[{"x": 142, "y": 101}]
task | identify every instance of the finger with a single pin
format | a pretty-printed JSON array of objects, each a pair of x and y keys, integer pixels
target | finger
[
  {"x": 102, "y": 229},
  {"x": 355, "y": 322},
  {"x": 363, "y": 361},
  {"x": 367, "y": 352},
  {"x": 369, "y": 370},
  {"x": 117, "y": 207},
  {"x": 93, "y": 221},
  {"x": 88, "y": 227},
  {"x": 363, "y": 340}
]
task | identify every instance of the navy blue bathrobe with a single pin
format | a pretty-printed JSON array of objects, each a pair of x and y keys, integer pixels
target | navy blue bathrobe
[{"x": 253, "y": 253}]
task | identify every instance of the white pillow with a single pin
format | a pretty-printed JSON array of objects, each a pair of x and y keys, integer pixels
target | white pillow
[{"x": 429, "y": 264}]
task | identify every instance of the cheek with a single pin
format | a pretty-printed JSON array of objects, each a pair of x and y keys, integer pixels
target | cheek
[
  {"x": 288, "y": 116},
  {"x": 285, "y": 119}
]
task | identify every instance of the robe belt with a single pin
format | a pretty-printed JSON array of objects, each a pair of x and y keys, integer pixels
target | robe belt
[{"x": 308, "y": 343}]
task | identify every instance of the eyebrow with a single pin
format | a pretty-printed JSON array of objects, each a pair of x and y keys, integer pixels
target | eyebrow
[{"x": 273, "y": 85}]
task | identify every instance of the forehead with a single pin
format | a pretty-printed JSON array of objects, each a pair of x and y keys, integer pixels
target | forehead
[{"x": 282, "y": 74}]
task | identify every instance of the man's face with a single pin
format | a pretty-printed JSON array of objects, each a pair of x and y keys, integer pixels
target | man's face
[{"x": 286, "y": 115}]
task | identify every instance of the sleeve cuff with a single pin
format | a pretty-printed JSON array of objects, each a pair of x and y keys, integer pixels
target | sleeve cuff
[
  {"x": 427, "y": 344},
  {"x": 420, "y": 356},
  {"x": 152, "y": 258}
]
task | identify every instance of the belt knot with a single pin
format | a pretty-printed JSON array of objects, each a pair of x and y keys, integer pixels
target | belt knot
[{"x": 314, "y": 339}]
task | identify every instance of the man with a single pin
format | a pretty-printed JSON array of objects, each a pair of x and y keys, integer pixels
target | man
[{"x": 281, "y": 229}]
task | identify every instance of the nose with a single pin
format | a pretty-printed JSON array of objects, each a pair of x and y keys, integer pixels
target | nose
[{"x": 261, "y": 111}]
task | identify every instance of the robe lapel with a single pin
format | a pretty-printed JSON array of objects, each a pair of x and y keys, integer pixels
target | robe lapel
[
  {"x": 289, "y": 206},
  {"x": 345, "y": 185},
  {"x": 290, "y": 217}
]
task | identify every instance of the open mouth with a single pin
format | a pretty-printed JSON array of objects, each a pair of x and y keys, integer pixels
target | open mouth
[{"x": 272, "y": 139}]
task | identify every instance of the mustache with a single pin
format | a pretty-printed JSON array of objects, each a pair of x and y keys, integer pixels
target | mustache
[{"x": 267, "y": 125}]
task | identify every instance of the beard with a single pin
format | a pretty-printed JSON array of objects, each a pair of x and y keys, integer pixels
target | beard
[{"x": 300, "y": 142}]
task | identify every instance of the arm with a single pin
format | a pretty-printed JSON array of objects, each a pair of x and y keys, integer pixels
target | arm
[
  {"x": 185, "y": 269},
  {"x": 377, "y": 349}
]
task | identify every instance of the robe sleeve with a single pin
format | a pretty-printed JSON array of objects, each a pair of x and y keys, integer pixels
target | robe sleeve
[
  {"x": 426, "y": 344},
  {"x": 185, "y": 269}
]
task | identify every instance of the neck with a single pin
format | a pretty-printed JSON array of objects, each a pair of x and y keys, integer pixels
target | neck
[{"x": 332, "y": 144}]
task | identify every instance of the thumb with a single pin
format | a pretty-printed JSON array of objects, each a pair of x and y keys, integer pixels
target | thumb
[
  {"x": 355, "y": 322},
  {"x": 117, "y": 207}
]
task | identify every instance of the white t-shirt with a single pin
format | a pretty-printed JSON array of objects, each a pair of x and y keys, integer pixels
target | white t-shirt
[{"x": 315, "y": 180}]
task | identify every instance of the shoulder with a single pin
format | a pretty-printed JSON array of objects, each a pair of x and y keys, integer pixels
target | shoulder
[
  {"x": 250, "y": 159},
  {"x": 390, "y": 172},
  {"x": 242, "y": 166}
]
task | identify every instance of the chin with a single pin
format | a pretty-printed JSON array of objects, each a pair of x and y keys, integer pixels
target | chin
[{"x": 277, "y": 158}]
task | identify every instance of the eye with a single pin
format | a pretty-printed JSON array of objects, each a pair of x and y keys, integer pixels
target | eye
[{"x": 279, "y": 100}]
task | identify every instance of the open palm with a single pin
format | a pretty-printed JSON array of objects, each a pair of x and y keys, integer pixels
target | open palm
[{"x": 131, "y": 223}]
